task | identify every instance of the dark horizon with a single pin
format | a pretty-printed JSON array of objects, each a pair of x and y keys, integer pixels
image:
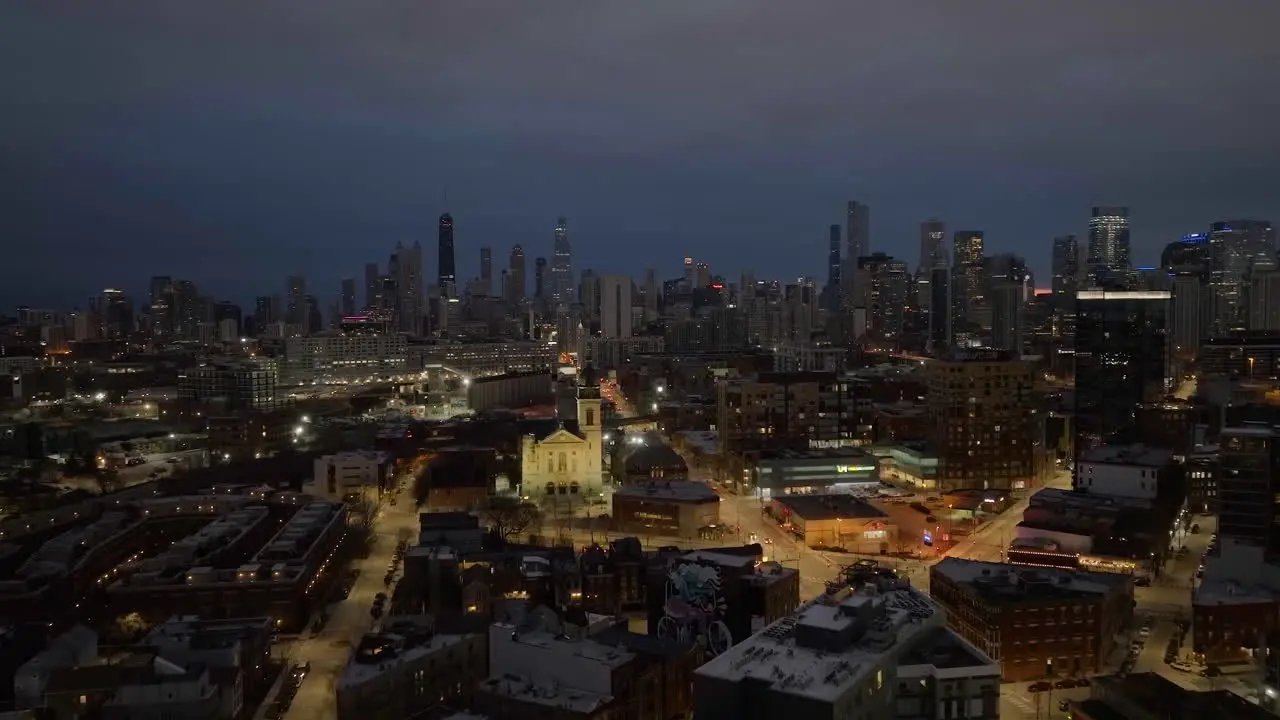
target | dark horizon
[{"x": 237, "y": 144}]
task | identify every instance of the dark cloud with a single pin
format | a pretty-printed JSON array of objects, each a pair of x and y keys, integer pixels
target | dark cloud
[{"x": 236, "y": 142}]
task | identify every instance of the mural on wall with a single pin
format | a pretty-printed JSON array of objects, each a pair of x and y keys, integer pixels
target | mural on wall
[{"x": 694, "y": 608}]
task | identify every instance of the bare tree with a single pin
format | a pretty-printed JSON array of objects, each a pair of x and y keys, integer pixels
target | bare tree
[{"x": 510, "y": 517}]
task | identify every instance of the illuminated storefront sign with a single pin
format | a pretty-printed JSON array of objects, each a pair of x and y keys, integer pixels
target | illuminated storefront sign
[
  {"x": 653, "y": 516},
  {"x": 855, "y": 468},
  {"x": 875, "y": 535}
]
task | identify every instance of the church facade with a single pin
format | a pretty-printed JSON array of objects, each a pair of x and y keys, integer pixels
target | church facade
[{"x": 566, "y": 462}]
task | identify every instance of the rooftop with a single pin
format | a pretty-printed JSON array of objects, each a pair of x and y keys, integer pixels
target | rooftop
[
  {"x": 379, "y": 653},
  {"x": 1002, "y": 583},
  {"x": 1160, "y": 697},
  {"x": 829, "y": 507},
  {"x": 846, "y": 454},
  {"x": 679, "y": 490},
  {"x": 1084, "y": 500},
  {"x": 835, "y": 641},
  {"x": 1127, "y": 455},
  {"x": 550, "y": 668}
]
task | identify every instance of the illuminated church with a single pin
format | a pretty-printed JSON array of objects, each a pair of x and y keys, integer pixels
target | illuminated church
[{"x": 564, "y": 459}]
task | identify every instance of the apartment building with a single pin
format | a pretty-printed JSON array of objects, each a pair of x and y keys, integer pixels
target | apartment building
[{"x": 984, "y": 418}]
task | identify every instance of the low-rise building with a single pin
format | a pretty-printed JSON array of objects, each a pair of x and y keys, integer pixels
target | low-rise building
[
  {"x": 336, "y": 357},
  {"x": 719, "y": 596},
  {"x": 460, "y": 478},
  {"x": 1148, "y": 696},
  {"x": 409, "y": 668},
  {"x": 881, "y": 650},
  {"x": 1127, "y": 471},
  {"x": 510, "y": 390},
  {"x": 836, "y": 521},
  {"x": 780, "y": 472},
  {"x": 560, "y": 673},
  {"x": 908, "y": 465},
  {"x": 675, "y": 509},
  {"x": 1093, "y": 531},
  {"x": 360, "y": 476},
  {"x": 645, "y": 458},
  {"x": 1037, "y": 623},
  {"x": 245, "y": 564}
]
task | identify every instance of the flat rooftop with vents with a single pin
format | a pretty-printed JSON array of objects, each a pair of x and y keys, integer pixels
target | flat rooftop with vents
[
  {"x": 847, "y": 641},
  {"x": 829, "y": 507},
  {"x": 999, "y": 583}
]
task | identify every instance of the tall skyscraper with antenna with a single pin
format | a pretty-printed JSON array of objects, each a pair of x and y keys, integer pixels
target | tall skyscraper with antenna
[
  {"x": 447, "y": 271},
  {"x": 562, "y": 266}
]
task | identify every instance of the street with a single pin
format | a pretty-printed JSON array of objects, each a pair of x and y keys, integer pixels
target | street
[
  {"x": 131, "y": 475},
  {"x": 992, "y": 539},
  {"x": 349, "y": 619},
  {"x": 815, "y": 568}
]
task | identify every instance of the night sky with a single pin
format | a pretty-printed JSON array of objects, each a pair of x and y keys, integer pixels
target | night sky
[{"x": 233, "y": 143}]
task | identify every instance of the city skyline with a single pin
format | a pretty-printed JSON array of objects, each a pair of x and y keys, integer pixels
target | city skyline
[{"x": 197, "y": 163}]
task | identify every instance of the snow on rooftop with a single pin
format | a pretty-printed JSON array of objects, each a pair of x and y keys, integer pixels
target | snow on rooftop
[
  {"x": 356, "y": 673},
  {"x": 963, "y": 571},
  {"x": 832, "y": 642}
]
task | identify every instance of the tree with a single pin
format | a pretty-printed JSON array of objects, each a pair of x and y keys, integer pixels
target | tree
[{"x": 510, "y": 517}]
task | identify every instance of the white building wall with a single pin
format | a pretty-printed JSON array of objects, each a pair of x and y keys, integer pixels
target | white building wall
[
  {"x": 1118, "y": 480},
  {"x": 356, "y": 472}
]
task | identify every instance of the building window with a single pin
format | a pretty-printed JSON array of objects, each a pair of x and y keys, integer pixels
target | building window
[
  {"x": 551, "y": 488},
  {"x": 563, "y": 464}
]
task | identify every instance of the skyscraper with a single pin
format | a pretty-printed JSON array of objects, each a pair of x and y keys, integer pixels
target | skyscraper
[
  {"x": 447, "y": 271},
  {"x": 296, "y": 308},
  {"x": 968, "y": 279},
  {"x": 1066, "y": 267},
  {"x": 857, "y": 244},
  {"x": 650, "y": 295},
  {"x": 883, "y": 285},
  {"x": 562, "y": 265},
  {"x": 1065, "y": 284},
  {"x": 1234, "y": 247},
  {"x": 347, "y": 304},
  {"x": 615, "y": 306},
  {"x": 408, "y": 282},
  {"x": 858, "y": 229},
  {"x": 539, "y": 278},
  {"x": 372, "y": 286},
  {"x": 1108, "y": 252},
  {"x": 832, "y": 290},
  {"x": 115, "y": 314},
  {"x": 1264, "y": 298},
  {"x": 933, "y": 244},
  {"x": 589, "y": 292},
  {"x": 941, "y": 313},
  {"x": 1122, "y": 357},
  {"x": 1249, "y": 486},
  {"x": 515, "y": 277},
  {"x": 1008, "y": 316},
  {"x": 486, "y": 270}
]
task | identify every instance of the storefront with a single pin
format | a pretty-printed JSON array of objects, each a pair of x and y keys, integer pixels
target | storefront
[
  {"x": 913, "y": 468},
  {"x": 804, "y": 472}
]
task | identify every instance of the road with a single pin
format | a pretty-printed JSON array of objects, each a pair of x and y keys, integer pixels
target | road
[
  {"x": 992, "y": 539},
  {"x": 815, "y": 568},
  {"x": 131, "y": 475},
  {"x": 613, "y": 393},
  {"x": 349, "y": 619}
]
